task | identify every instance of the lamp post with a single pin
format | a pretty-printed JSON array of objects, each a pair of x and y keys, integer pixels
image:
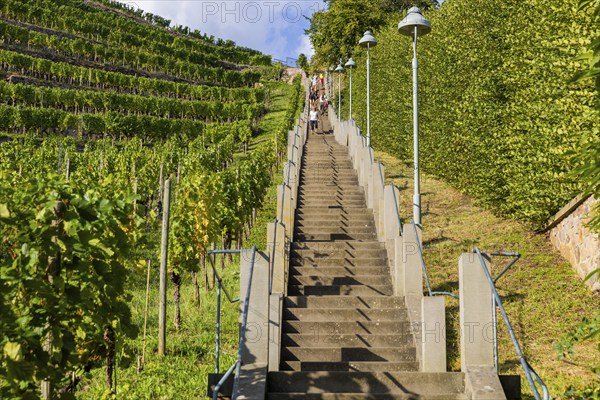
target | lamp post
[
  {"x": 350, "y": 65},
  {"x": 368, "y": 41},
  {"x": 415, "y": 24},
  {"x": 339, "y": 70}
]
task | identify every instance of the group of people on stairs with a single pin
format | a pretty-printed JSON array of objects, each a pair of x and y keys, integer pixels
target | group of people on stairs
[{"x": 319, "y": 101}]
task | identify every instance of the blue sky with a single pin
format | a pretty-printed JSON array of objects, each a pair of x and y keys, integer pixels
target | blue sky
[{"x": 271, "y": 26}]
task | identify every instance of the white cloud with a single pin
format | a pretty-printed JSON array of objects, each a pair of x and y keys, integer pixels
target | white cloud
[
  {"x": 305, "y": 47},
  {"x": 273, "y": 27}
]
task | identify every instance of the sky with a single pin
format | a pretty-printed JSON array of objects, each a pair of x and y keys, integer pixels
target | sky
[{"x": 270, "y": 26}]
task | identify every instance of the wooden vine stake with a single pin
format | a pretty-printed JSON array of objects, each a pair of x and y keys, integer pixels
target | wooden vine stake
[
  {"x": 143, "y": 356},
  {"x": 52, "y": 271},
  {"x": 164, "y": 248}
]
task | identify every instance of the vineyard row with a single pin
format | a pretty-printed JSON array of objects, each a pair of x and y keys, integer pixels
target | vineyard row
[{"x": 86, "y": 101}]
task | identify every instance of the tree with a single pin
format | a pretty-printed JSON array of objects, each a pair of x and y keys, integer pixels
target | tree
[
  {"x": 303, "y": 62},
  {"x": 335, "y": 32}
]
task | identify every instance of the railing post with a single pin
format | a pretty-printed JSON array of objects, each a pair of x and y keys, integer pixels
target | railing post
[
  {"x": 391, "y": 226},
  {"x": 476, "y": 313},
  {"x": 476, "y": 330},
  {"x": 285, "y": 211},
  {"x": 255, "y": 305},
  {"x": 433, "y": 334},
  {"x": 411, "y": 263},
  {"x": 275, "y": 319},
  {"x": 277, "y": 252},
  {"x": 377, "y": 195}
]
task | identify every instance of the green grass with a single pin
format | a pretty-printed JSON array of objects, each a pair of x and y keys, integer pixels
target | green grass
[
  {"x": 543, "y": 296},
  {"x": 183, "y": 372}
]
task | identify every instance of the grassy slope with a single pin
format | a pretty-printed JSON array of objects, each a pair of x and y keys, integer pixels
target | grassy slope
[
  {"x": 543, "y": 296},
  {"x": 182, "y": 374}
]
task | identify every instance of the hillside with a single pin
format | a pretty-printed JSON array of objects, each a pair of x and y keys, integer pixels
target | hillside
[{"x": 103, "y": 105}]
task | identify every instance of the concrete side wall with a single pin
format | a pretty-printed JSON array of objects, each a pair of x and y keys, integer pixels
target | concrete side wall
[{"x": 577, "y": 243}]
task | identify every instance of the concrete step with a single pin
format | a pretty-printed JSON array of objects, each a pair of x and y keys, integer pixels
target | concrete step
[
  {"x": 318, "y": 195},
  {"x": 338, "y": 271},
  {"x": 326, "y": 252},
  {"x": 348, "y": 354},
  {"x": 348, "y": 366},
  {"x": 314, "y": 164},
  {"x": 318, "y": 163},
  {"x": 334, "y": 229},
  {"x": 340, "y": 290},
  {"x": 312, "y": 170},
  {"x": 329, "y": 193},
  {"x": 331, "y": 203},
  {"x": 324, "y": 178},
  {"x": 328, "y": 186},
  {"x": 348, "y": 327},
  {"x": 362, "y": 396},
  {"x": 355, "y": 245},
  {"x": 322, "y": 280},
  {"x": 334, "y": 225},
  {"x": 325, "y": 213},
  {"x": 344, "y": 301},
  {"x": 345, "y": 264},
  {"x": 345, "y": 340},
  {"x": 340, "y": 236},
  {"x": 317, "y": 176},
  {"x": 341, "y": 222},
  {"x": 400, "y": 382},
  {"x": 344, "y": 314}
]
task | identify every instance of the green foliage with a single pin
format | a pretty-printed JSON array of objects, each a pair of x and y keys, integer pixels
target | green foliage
[
  {"x": 498, "y": 119},
  {"x": 587, "y": 330},
  {"x": 335, "y": 32},
  {"x": 63, "y": 270},
  {"x": 91, "y": 24},
  {"x": 590, "y": 148},
  {"x": 303, "y": 62}
]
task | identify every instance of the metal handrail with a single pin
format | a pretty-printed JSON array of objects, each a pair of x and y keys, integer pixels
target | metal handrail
[
  {"x": 516, "y": 257},
  {"x": 243, "y": 327},
  {"x": 425, "y": 268},
  {"x": 223, "y": 380},
  {"x": 238, "y": 362},
  {"x": 529, "y": 371},
  {"x": 229, "y": 297}
]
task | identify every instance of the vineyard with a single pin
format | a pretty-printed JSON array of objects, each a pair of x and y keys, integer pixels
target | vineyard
[{"x": 100, "y": 105}]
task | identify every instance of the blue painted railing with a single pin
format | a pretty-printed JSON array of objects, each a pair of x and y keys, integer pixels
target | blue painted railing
[
  {"x": 238, "y": 362},
  {"x": 530, "y": 374}
]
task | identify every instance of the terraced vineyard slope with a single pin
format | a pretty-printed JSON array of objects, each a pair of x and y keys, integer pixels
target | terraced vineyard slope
[{"x": 100, "y": 106}]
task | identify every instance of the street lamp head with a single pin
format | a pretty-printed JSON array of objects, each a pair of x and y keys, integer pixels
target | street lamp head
[
  {"x": 413, "y": 19},
  {"x": 339, "y": 68},
  {"x": 350, "y": 64},
  {"x": 368, "y": 40}
]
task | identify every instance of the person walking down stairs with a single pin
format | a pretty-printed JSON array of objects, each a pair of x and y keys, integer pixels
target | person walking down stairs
[{"x": 314, "y": 120}]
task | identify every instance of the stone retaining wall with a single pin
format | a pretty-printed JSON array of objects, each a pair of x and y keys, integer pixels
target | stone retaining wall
[{"x": 576, "y": 242}]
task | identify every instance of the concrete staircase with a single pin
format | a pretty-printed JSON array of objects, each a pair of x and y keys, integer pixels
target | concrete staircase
[{"x": 344, "y": 334}]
